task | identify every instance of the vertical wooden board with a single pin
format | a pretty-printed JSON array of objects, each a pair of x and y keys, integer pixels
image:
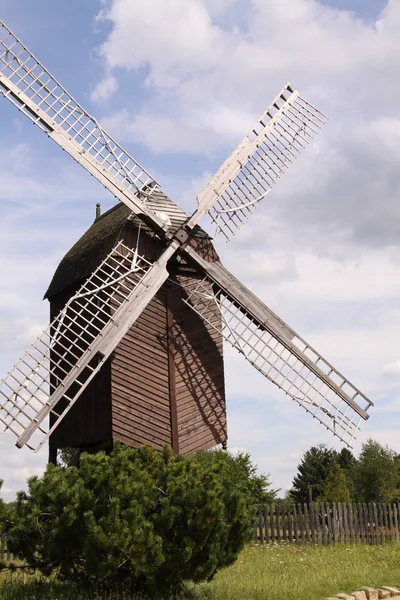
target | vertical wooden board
[
  {"x": 345, "y": 522},
  {"x": 395, "y": 522},
  {"x": 284, "y": 522},
  {"x": 266, "y": 524},
  {"x": 334, "y": 522},
  {"x": 272, "y": 521},
  {"x": 324, "y": 514},
  {"x": 330, "y": 527},
  {"x": 307, "y": 523},
  {"x": 371, "y": 525},
  {"x": 361, "y": 520},
  {"x": 367, "y": 531},
  {"x": 376, "y": 521},
  {"x": 278, "y": 523},
  {"x": 300, "y": 519},
  {"x": 303, "y": 525},
  {"x": 140, "y": 379},
  {"x": 381, "y": 523},
  {"x": 391, "y": 522},
  {"x": 313, "y": 523},
  {"x": 261, "y": 525},
  {"x": 199, "y": 367},
  {"x": 295, "y": 525},
  {"x": 386, "y": 521},
  {"x": 290, "y": 522}
]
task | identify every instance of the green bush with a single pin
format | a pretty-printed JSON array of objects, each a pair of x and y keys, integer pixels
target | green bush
[{"x": 138, "y": 518}]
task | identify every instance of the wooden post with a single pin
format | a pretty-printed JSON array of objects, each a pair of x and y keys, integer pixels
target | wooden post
[
  {"x": 324, "y": 518},
  {"x": 307, "y": 523},
  {"x": 273, "y": 536},
  {"x": 391, "y": 524},
  {"x": 346, "y": 522},
  {"x": 284, "y": 522},
  {"x": 376, "y": 519},
  {"x": 313, "y": 523},
  {"x": 278, "y": 522},
  {"x": 260, "y": 526},
  {"x": 295, "y": 524},
  {"x": 386, "y": 521},
  {"x": 290, "y": 523},
  {"x": 266, "y": 523},
  {"x": 335, "y": 522},
  {"x": 396, "y": 522}
]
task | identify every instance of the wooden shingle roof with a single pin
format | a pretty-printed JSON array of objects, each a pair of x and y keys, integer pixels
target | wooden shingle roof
[{"x": 98, "y": 241}]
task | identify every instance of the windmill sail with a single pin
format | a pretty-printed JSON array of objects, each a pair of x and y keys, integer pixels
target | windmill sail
[
  {"x": 57, "y": 368},
  {"x": 27, "y": 84},
  {"x": 281, "y": 355},
  {"x": 256, "y": 164}
]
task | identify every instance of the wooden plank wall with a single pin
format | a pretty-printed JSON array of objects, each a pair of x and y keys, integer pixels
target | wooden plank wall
[
  {"x": 140, "y": 380},
  {"x": 323, "y": 523},
  {"x": 199, "y": 375},
  {"x": 89, "y": 420}
]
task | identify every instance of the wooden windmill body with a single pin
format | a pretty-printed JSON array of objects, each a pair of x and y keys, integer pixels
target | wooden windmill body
[
  {"x": 164, "y": 382},
  {"x": 141, "y": 304}
]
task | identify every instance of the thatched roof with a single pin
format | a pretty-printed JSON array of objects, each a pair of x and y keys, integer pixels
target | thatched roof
[{"x": 98, "y": 241}]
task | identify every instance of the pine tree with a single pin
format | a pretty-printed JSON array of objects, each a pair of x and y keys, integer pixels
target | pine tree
[
  {"x": 336, "y": 489},
  {"x": 313, "y": 471}
]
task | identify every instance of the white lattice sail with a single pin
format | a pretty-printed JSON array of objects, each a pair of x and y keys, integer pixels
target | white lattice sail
[
  {"x": 286, "y": 360},
  {"x": 256, "y": 164},
  {"x": 26, "y": 83},
  {"x": 56, "y": 369}
]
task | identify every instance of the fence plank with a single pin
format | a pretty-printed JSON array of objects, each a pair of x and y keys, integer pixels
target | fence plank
[
  {"x": 260, "y": 526},
  {"x": 266, "y": 523},
  {"x": 290, "y": 523},
  {"x": 318, "y": 523},
  {"x": 324, "y": 515},
  {"x": 307, "y": 523},
  {"x": 391, "y": 524},
  {"x": 345, "y": 523},
  {"x": 362, "y": 522},
  {"x": 386, "y": 521},
  {"x": 396, "y": 522},
  {"x": 303, "y": 525}
]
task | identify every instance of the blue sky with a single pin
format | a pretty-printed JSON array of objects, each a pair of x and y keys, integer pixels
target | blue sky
[{"x": 178, "y": 83}]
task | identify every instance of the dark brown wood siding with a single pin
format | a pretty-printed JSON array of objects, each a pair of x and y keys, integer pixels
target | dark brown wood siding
[
  {"x": 199, "y": 375},
  {"x": 140, "y": 380},
  {"x": 89, "y": 421}
]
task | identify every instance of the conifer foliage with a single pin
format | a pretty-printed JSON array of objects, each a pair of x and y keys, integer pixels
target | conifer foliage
[{"x": 138, "y": 519}]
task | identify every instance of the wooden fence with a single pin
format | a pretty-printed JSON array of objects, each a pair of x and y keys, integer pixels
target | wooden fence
[{"x": 320, "y": 523}]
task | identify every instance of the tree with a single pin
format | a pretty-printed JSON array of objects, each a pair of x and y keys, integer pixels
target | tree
[
  {"x": 348, "y": 463},
  {"x": 376, "y": 476},
  {"x": 313, "y": 471},
  {"x": 138, "y": 518},
  {"x": 335, "y": 489}
]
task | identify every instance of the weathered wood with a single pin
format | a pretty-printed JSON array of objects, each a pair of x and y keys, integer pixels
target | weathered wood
[
  {"x": 295, "y": 524},
  {"x": 260, "y": 525},
  {"x": 391, "y": 522},
  {"x": 324, "y": 518},
  {"x": 376, "y": 520},
  {"x": 386, "y": 521},
  {"x": 278, "y": 523},
  {"x": 290, "y": 523},
  {"x": 307, "y": 523},
  {"x": 266, "y": 524},
  {"x": 396, "y": 522}
]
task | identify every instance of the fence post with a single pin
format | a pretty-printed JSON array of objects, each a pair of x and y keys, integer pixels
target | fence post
[
  {"x": 396, "y": 522},
  {"x": 260, "y": 526},
  {"x": 266, "y": 523}
]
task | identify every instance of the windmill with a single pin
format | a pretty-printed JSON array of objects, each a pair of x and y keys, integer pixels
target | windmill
[{"x": 94, "y": 320}]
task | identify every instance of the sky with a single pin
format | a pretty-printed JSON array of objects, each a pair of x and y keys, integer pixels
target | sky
[{"x": 179, "y": 83}]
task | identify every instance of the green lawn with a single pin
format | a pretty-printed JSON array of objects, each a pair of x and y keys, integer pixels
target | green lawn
[
  {"x": 306, "y": 572},
  {"x": 274, "y": 573}
]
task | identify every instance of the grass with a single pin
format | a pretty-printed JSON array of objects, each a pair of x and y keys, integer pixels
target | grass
[
  {"x": 279, "y": 572},
  {"x": 306, "y": 572}
]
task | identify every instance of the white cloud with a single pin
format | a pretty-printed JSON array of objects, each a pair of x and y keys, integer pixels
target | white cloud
[{"x": 392, "y": 368}]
